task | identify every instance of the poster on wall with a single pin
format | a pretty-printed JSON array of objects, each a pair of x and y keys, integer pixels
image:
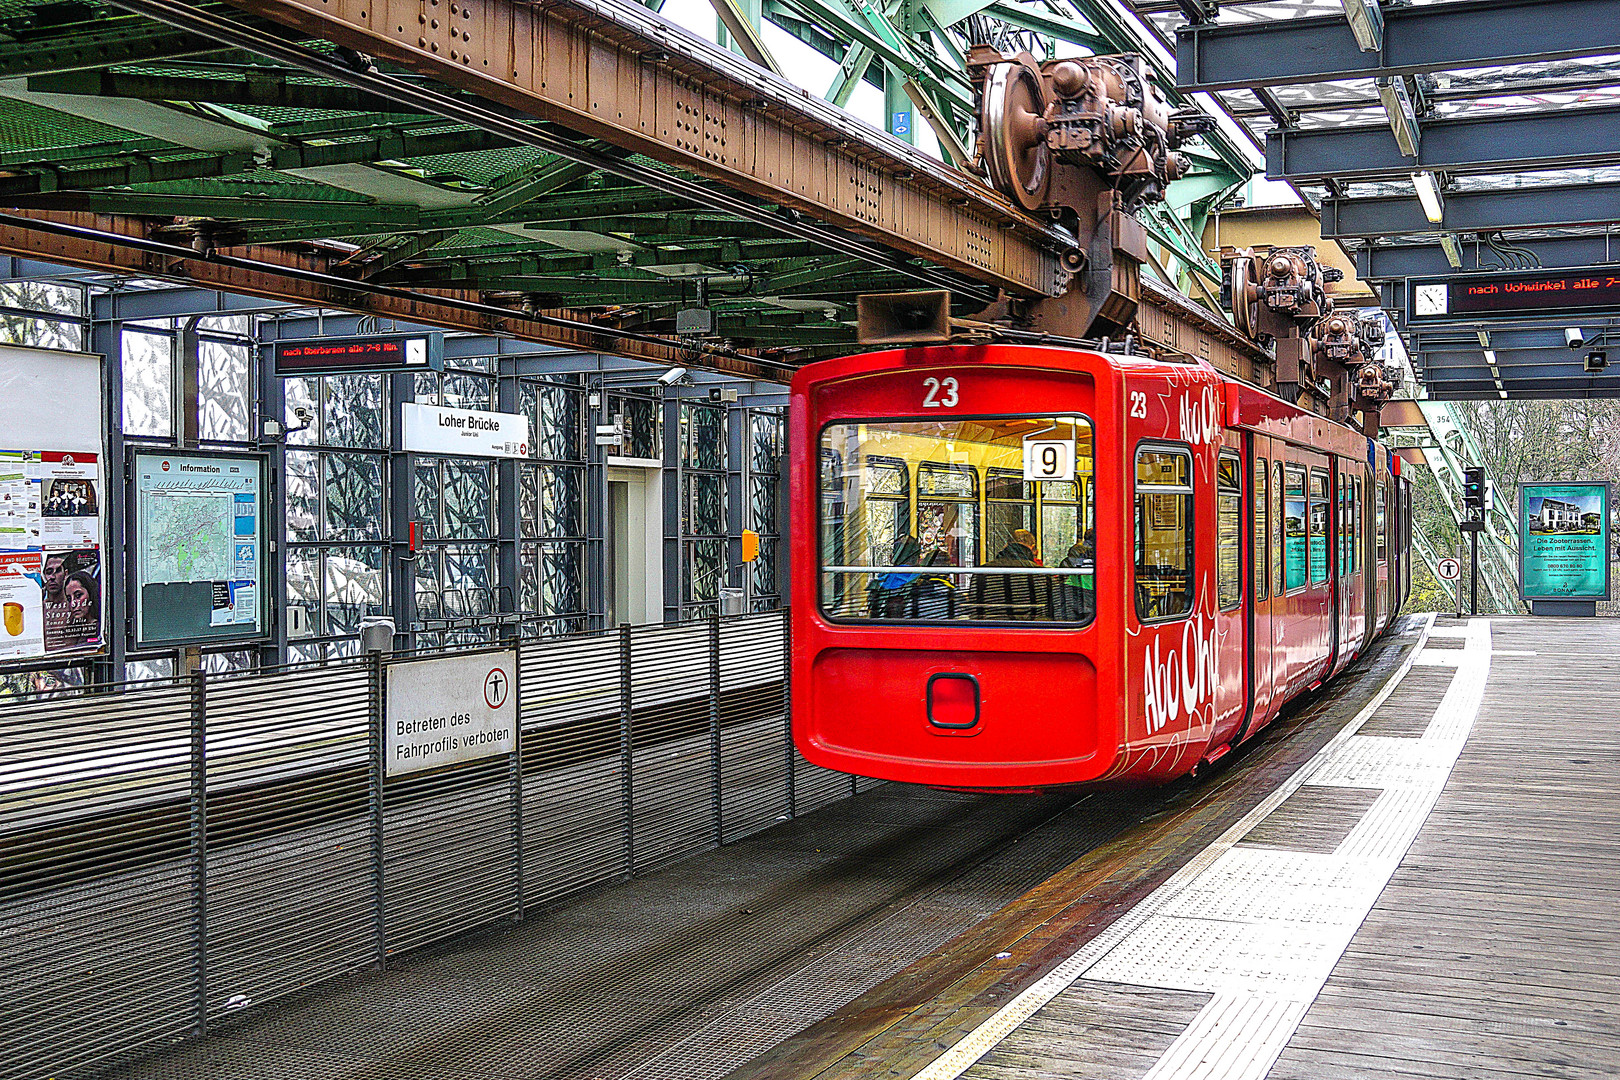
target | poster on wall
[
  {"x": 1563, "y": 541},
  {"x": 50, "y": 554},
  {"x": 52, "y": 505},
  {"x": 198, "y": 547},
  {"x": 22, "y": 619}
]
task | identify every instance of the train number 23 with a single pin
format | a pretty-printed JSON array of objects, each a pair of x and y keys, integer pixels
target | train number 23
[
  {"x": 941, "y": 393},
  {"x": 1138, "y": 404}
]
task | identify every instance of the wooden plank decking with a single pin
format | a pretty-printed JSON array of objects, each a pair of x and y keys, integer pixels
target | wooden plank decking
[{"x": 1494, "y": 951}]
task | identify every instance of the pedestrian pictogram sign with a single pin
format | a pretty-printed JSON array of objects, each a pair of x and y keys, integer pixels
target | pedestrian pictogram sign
[{"x": 1449, "y": 569}]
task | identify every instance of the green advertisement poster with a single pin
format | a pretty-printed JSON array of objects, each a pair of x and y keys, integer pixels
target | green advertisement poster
[{"x": 1563, "y": 541}]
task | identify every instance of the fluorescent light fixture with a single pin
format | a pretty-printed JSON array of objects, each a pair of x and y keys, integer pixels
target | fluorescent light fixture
[
  {"x": 1490, "y": 357},
  {"x": 1503, "y": 394},
  {"x": 1402, "y": 117},
  {"x": 1428, "y": 193},
  {"x": 1484, "y": 338},
  {"x": 1366, "y": 20},
  {"x": 1448, "y": 244}
]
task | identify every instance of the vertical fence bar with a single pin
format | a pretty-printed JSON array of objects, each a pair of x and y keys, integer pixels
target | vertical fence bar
[
  {"x": 379, "y": 708},
  {"x": 714, "y": 727},
  {"x": 787, "y": 710},
  {"x": 627, "y": 755},
  {"x": 517, "y": 785},
  {"x": 199, "y": 845}
]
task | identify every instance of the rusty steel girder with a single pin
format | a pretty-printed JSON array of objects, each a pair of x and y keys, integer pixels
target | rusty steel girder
[
  {"x": 615, "y": 71},
  {"x": 119, "y": 243}
]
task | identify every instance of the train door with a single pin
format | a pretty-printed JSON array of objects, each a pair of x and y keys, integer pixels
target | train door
[
  {"x": 1231, "y": 613},
  {"x": 1261, "y": 491},
  {"x": 1318, "y": 625},
  {"x": 1380, "y": 567},
  {"x": 1344, "y": 642}
]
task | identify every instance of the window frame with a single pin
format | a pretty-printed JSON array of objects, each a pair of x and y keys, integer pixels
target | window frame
[
  {"x": 1305, "y": 497},
  {"x": 1191, "y": 495},
  {"x": 1236, "y": 459},
  {"x": 1326, "y": 499},
  {"x": 977, "y": 502}
]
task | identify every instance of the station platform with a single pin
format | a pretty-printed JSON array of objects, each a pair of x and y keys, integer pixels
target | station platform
[
  {"x": 1430, "y": 894},
  {"x": 1410, "y": 875}
]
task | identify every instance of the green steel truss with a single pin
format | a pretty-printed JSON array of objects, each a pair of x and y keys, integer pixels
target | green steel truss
[{"x": 108, "y": 113}]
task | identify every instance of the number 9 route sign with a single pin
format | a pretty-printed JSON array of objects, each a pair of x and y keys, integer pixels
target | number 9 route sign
[
  {"x": 1048, "y": 459},
  {"x": 448, "y": 710}
]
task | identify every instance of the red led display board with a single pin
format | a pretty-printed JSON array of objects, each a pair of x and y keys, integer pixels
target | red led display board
[
  {"x": 327, "y": 356},
  {"x": 1571, "y": 291}
]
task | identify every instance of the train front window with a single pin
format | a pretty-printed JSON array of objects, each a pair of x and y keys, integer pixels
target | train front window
[
  {"x": 970, "y": 520},
  {"x": 1164, "y": 533}
]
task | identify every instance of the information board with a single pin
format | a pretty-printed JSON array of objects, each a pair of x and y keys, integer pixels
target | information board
[
  {"x": 329, "y": 356},
  {"x": 52, "y": 505},
  {"x": 449, "y": 709},
  {"x": 1564, "y": 541},
  {"x": 198, "y": 547},
  {"x": 1544, "y": 292}
]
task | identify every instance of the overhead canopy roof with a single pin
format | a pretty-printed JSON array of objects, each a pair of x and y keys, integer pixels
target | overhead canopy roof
[
  {"x": 178, "y": 136},
  {"x": 1516, "y": 110}
]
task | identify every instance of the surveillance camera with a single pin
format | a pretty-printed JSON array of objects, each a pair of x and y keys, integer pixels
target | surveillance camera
[
  {"x": 303, "y": 414},
  {"x": 1596, "y": 361},
  {"x": 673, "y": 376},
  {"x": 1573, "y": 337}
]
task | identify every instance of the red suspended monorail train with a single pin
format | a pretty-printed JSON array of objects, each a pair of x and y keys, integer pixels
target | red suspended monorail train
[{"x": 1019, "y": 567}]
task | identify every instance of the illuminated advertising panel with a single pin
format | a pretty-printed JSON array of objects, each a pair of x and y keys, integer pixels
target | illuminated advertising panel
[{"x": 1563, "y": 541}]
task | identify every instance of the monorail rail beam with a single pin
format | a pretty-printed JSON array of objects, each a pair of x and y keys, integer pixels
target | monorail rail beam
[{"x": 614, "y": 71}]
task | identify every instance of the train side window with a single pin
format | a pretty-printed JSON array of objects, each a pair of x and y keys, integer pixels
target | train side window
[
  {"x": 1164, "y": 533},
  {"x": 1319, "y": 526},
  {"x": 1344, "y": 525},
  {"x": 1278, "y": 586},
  {"x": 1356, "y": 529},
  {"x": 1294, "y": 539},
  {"x": 1258, "y": 562},
  {"x": 1381, "y": 521},
  {"x": 1229, "y": 531}
]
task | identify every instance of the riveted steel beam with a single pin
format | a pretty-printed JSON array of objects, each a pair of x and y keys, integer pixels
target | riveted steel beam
[
  {"x": 1473, "y": 211},
  {"x": 118, "y": 40},
  {"x": 112, "y": 244},
  {"x": 1567, "y": 138},
  {"x": 616, "y": 72},
  {"x": 270, "y": 89},
  {"x": 1416, "y": 39}
]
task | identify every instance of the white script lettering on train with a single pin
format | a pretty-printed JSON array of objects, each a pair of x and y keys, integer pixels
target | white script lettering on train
[
  {"x": 1177, "y": 681},
  {"x": 1200, "y": 419}
]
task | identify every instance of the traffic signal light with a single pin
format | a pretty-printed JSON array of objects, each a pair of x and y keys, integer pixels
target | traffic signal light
[{"x": 1474, "y": 488}]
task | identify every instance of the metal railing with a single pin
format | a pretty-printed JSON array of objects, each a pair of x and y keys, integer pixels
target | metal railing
[{"x": 171, "y": 853}]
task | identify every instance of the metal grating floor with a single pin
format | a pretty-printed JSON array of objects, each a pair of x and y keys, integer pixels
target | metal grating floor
[{"x": 686, "y": 972}]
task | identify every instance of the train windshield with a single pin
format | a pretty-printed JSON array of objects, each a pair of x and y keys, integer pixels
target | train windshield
[{"x": 967, "y": 520}]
